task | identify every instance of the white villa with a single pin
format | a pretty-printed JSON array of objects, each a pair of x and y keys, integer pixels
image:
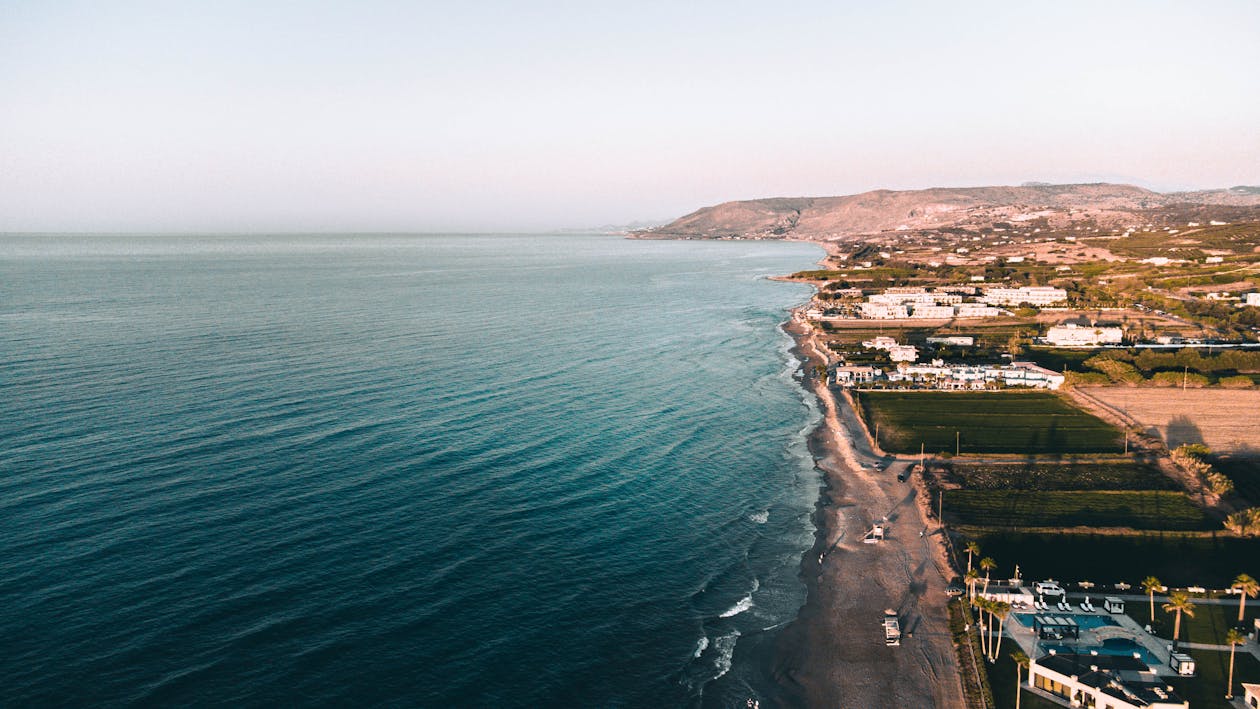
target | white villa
[
  {"x": 896, "y": 352},
  {"x": 853, "y": 375},
  {"x": 1073, "y": 335},
  {"x": 1252, "y": 299}
]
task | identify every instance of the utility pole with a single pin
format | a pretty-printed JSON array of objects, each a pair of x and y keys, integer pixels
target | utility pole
[
  {"x": 940, "y": 507},
  {"x": 956, "y": 443},
  {"x": 1184, "y": 376},
  {"x": 1126, "y": 441},
  {"x": 922, "y": 459}
]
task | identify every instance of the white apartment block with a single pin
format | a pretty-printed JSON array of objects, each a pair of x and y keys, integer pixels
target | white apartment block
[
  {"x": 1033, "y": 295},
  {"x": 881, "y": 311},
  {"x": 976, "y": 310},
  {"x": 932, "y": 312}
]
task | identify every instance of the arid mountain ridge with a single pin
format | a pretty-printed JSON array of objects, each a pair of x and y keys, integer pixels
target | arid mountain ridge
[{"x": 1052, "y": 206}]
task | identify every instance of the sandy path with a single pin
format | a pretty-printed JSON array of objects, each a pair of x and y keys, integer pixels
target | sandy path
[{"x": 833, "y": 654}]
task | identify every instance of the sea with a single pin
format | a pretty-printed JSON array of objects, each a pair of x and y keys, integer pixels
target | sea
[{"x": 398, "y": 470}]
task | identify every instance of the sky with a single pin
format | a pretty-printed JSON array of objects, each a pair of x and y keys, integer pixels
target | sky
[{"x": 527, "y": 116}]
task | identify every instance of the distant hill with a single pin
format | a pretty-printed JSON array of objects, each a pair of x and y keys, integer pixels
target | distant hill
[{"x": 835, "y": 218}]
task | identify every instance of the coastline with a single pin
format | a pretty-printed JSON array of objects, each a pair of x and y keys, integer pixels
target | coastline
[{"x": 832, "y": 653}]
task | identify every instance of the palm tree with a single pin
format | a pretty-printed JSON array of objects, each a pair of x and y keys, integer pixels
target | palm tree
[
  {"x": 1234, "y": 638},
  {"x": 973, "y": 548},
  {"x": 1246, "y": 586},
  {"x": 972, "y": 578},
  {"x": 1150, "y": 585},
  {"x": 978, "y": 603},
  {"x": 1021, "y": 660},
  {"x": 1001, "y": 609},
  {"x": 1179, "y": 603},
  {"x": 987, "y": 564}
]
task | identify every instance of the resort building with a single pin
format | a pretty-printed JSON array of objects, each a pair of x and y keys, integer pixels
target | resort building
[
  {"x": 1252, "y": 299},
  {"x": 1032, "y": 295},
  {"x": 963, "y": 377},
  {"x": 1027, "y": 374},
  {"x": 1102, "y": 681},
  {"x": 1073, "y": 335}
]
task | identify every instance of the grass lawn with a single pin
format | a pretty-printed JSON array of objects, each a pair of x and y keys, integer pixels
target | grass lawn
[
  {"x": 1209, "y": 624},
  {"x": 1018, "y": 422},
  {"x": 1110, "y": 475},
  {"x": 1207, "y": 690},
  {"x": 1147, "y": 509},
  {"x": 1212, "y": 562}
]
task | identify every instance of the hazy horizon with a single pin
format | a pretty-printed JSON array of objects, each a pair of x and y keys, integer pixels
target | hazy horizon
[{"x": 387, "y": 117}]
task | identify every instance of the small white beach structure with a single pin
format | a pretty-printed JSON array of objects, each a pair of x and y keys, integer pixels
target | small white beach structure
[
  {"x": 1113, "y": 604},
  {"x": 892, "y": 628},
  {"x": 875, "y": 536}
]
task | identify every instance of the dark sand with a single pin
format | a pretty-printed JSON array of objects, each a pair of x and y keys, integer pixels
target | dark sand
[{"x": 833, "y": 654}]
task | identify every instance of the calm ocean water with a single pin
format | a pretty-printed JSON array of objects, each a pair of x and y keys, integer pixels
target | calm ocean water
[{"x": 474, "y": 470}]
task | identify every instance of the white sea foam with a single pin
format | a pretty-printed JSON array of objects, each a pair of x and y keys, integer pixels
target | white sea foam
[
  {"x": 744, "y": 604},
  {"x": 760, "y": 517},
  {"x": 701, "y": 645},
  {"x": 725, "y": 647}
]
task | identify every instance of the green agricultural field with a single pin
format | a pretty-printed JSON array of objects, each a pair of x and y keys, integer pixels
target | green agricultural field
[
  {"x": 1147, "y": 509},
  {"x": 1019, "y": 422},
  {"x": 1177, "y": 560},
  {"x": 1105, "y": 475}
]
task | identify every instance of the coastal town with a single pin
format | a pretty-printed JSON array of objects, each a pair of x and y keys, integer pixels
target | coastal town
[{"x": 1062, "y": 418}]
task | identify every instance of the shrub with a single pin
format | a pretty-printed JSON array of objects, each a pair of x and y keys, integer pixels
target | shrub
[
  {"x": 1176, "y": 379},
  {"x": 1236, "y": 382},
  {"x": 1244, "y": 523},
  {"x": 1117, "y": 371},
  {"x": 1083, "y": 379}
]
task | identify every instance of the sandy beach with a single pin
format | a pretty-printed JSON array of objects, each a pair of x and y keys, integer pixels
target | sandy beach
[{"x": 834, "y": 654}]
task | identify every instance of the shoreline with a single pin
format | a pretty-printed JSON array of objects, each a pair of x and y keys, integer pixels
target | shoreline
[{"x": 833, "y": 652}]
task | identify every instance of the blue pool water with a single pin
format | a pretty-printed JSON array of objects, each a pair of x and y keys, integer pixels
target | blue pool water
[{"x": 1084, "y": 620}]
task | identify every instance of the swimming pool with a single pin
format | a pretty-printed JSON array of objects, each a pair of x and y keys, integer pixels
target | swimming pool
[
  {"x": 1110, "y": 646},
  {"x": 1085, "y": 621}
]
